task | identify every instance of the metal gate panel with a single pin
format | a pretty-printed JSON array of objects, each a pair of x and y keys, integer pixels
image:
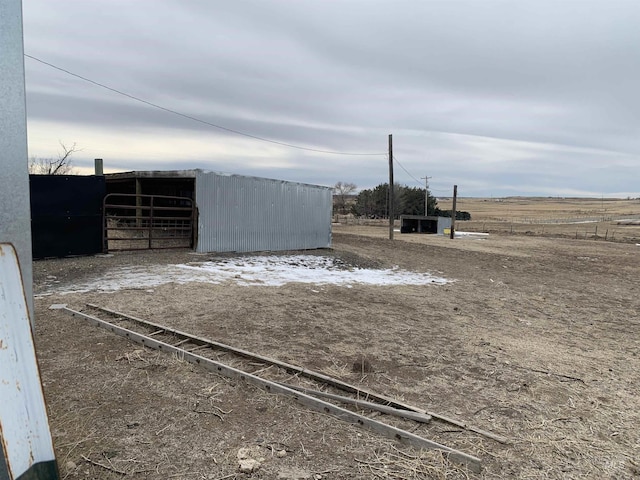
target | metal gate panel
[{"x": 143, "y": 222}]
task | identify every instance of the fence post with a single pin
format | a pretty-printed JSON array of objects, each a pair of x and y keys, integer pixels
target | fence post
[{"x": 453, "y": 213}]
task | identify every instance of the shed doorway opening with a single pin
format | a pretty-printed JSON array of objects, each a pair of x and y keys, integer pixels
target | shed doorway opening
[{"x": 144, "y": 222}]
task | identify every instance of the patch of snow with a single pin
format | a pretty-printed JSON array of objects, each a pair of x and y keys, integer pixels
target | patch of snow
[
  {"x": 250, "y": 271},
  {"x": 478, "y": 235}
]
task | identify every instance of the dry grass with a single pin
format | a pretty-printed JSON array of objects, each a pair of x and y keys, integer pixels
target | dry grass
[
  {"x": 590, "y": 219},
  {"x": 521, "y": 210},
  {"x": 536, "y": 340},
  {"x": 576, "y": 218}
]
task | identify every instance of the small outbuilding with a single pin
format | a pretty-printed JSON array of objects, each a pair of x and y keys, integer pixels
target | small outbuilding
[{"x": 422, "y": 224}]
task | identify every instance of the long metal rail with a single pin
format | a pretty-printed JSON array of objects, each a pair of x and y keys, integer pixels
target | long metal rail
[
  {"x": 361, "y": 393},
  {"x": 316, "y": 404}
]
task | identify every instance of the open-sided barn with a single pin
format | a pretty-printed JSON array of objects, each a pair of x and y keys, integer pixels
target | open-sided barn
[{"x": 212, "y": 211}]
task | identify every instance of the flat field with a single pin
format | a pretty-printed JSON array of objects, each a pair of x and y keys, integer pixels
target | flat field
[
  {"x": 601, "y": 219},
  {"x": 534, "y": 338}
]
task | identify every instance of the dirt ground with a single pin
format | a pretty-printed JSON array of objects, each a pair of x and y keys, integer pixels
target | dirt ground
[{"x": 537, "y": 340}]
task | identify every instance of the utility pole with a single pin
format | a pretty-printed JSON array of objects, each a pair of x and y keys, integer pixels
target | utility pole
[
  {"x": 426, "y": 195},
  {"x": 453, "y": 212},
  {"x": 391, "y": 212}
]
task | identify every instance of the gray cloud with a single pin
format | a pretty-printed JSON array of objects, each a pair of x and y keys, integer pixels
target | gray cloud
[{"x": 499, "y": 97}]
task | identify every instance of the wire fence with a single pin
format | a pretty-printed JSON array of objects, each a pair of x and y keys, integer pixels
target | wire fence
[
  {"x": 574, "y": 220},
  {"x": 624, "y": 229}
]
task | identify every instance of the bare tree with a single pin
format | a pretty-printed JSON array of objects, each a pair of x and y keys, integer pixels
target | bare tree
[
  {"x": 54, "y": 166},
  {"x": 341, "y": 192}
]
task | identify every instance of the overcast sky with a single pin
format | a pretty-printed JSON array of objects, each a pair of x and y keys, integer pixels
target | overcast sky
[{"x": 518, "y": 97}]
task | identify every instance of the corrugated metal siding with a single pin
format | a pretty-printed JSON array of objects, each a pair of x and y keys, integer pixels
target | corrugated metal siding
[
  {"x": 250, "y": 214},
  {"x": 443, "y": 223}
]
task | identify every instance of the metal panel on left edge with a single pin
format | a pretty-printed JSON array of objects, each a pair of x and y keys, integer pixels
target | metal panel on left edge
[{"x": 27, "y": 449}]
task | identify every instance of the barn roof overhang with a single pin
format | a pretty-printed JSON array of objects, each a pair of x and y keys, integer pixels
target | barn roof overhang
[
  {"x": 190, "y": 174},
  {"x": 150, "y": 174}
]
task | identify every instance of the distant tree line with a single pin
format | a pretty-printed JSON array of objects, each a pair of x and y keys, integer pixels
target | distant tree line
[
  {"x": 374, "y": 203},
  {"x": 460, "y": 215}
]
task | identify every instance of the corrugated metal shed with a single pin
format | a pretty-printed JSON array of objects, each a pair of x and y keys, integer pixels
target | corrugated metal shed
[{"x": 250, "y": 214}]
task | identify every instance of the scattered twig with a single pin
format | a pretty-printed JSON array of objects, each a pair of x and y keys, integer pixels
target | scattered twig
[
  {"x": 222, "y": 411},
  {"x": 481, "y": 409},
  {"x": 405, "y": 454},
  {"x": 547, "y": 372},
  {"x": 324, "y": 472},
  {"x": 102, "y": 465},
  {"x": 210, "y": 413},
  {"x": 175, "y": 475},
  {"x": 262, "y": 369},
  {"x": 144, "y": 470},
  {"x": 226, "y": 476}
]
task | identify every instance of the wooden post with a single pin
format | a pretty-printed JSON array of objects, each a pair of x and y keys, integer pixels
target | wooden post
[
  {"x": 391, "y": 211},
  {"x": 453, "y": 212}
]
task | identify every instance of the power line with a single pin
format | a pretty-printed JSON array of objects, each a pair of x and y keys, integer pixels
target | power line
[
  {"x": 195, "y": 119},
  {"x": 407, "y": 172}
]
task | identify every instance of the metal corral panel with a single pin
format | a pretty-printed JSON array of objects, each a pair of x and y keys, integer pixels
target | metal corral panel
[{"x": 250, "y": 214}]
